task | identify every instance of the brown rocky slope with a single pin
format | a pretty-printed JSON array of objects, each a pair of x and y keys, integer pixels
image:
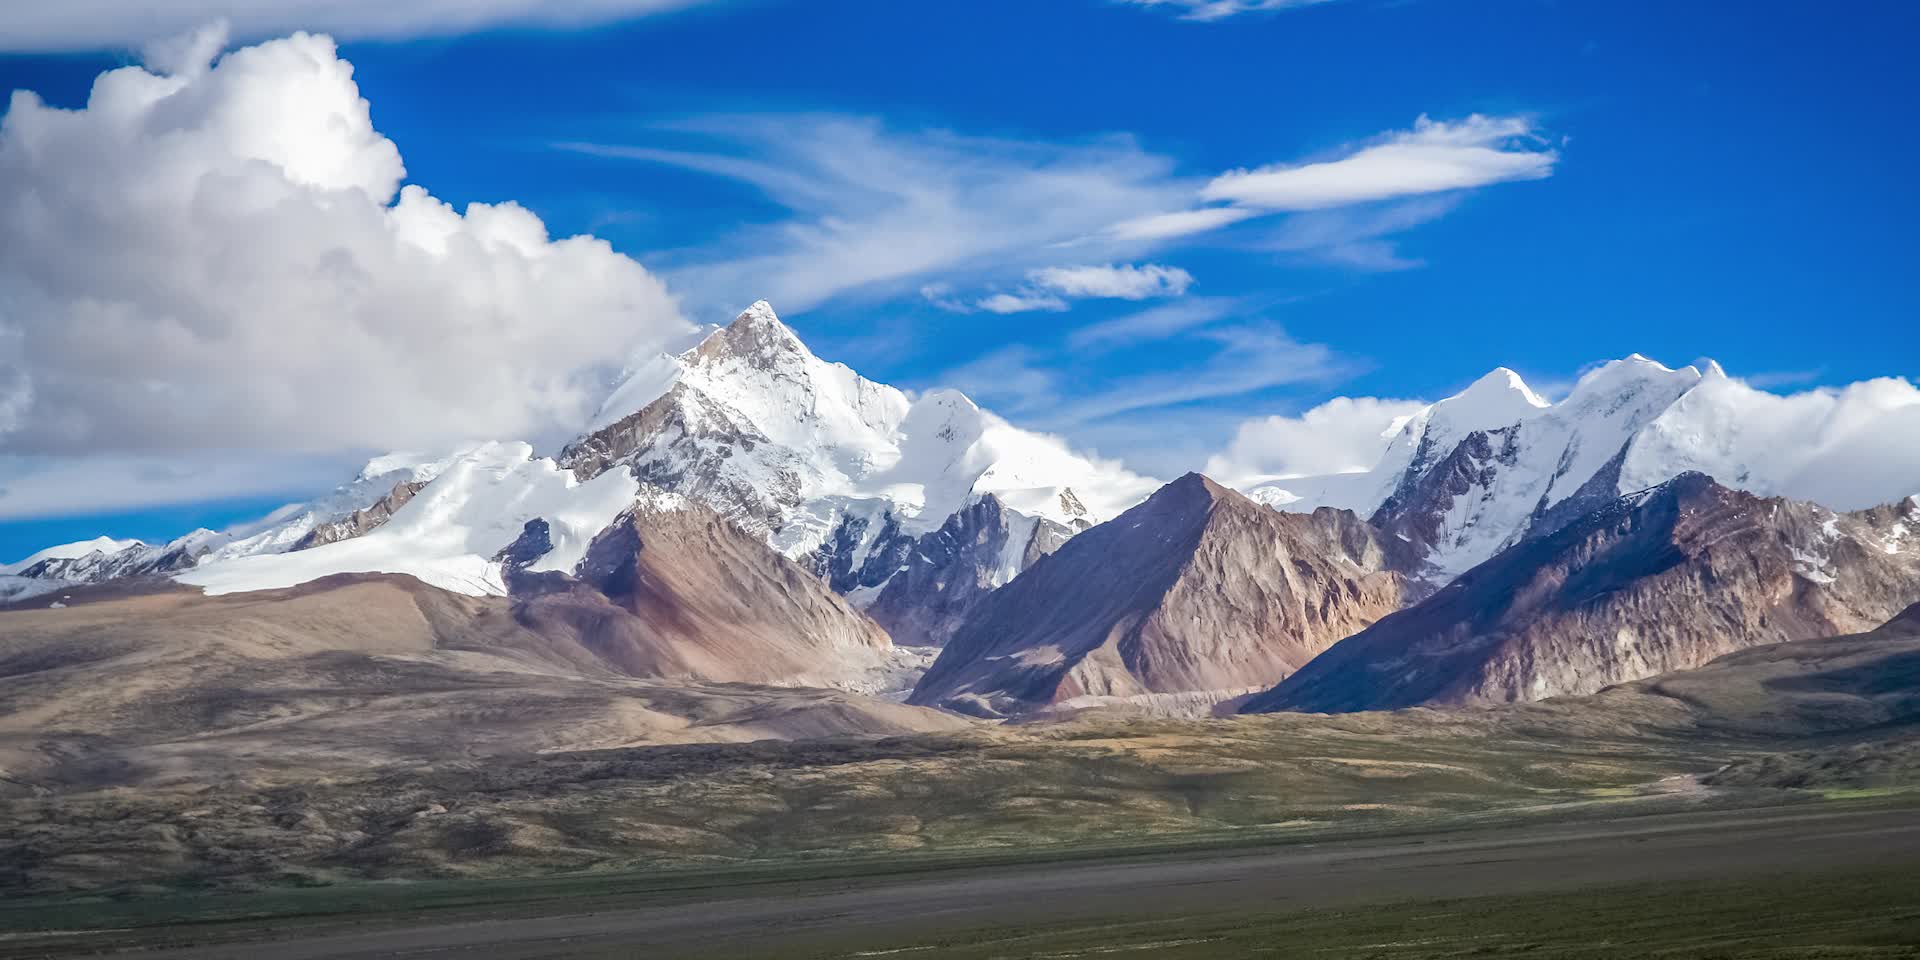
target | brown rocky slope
[
  {"x": 1198, "y": 591},
  {"x": 1664, "y": 580},
  {"x": 676, "y": 591}
]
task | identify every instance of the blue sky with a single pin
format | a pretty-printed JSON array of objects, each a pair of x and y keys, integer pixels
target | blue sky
[{"x": 1679, "y": 181}]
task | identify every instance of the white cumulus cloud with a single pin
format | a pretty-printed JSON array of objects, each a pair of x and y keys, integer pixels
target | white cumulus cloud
[
  {"x": 1846, "y": 447},
  {"x": 222, "y": 256},
  {"x": 1342, "y": 435}
]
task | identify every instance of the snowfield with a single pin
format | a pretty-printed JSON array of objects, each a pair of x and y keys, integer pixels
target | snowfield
[{"x": 450, "y": 533}]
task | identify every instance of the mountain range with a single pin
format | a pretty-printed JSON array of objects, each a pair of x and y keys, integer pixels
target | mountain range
[{"x": 745, "y": 512}]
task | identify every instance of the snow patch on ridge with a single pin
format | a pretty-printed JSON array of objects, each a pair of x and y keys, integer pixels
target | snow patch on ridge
[
  {"x": 1535, "y": 456},
  {"x": 448, "y": 535},
  {"x": 106, "y": 546},
  {"x": 1499, "y": 399},
  {"x": 285, "y": 529},
  {"x": 813, "y": 444}
]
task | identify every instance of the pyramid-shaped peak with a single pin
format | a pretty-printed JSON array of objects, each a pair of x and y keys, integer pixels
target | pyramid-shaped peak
[
  {"x": 1499, "y": 399},
  {"x": 1194, "y": 487},
  {"x": 1070, "y": 504},
  {"x": 949, "y": 398},
  {"x": 1501, "y": 385},
  {"x": 1631, "y": 374},
  {"x": 756, "y": 332},
  {"x": 760, "y": 314}
]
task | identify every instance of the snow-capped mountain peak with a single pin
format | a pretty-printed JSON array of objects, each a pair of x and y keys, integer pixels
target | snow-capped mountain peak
[
  {"x": 755, "y": 335},
  {"x": 105, "y": 546},
  {"x": 1498, "y": 398},
  {"x": 450, "y": 533},
  {"x": 1627, "y": 387},
  {"x": 1494, "y": 464},
  {"x": 1473, "y": 472},
  {"x": 753, "y": 423},
  {"x": 104, "y": 558}
]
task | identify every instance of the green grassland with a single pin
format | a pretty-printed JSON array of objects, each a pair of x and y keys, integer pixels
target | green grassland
[{"x": 1845, "y": 914}]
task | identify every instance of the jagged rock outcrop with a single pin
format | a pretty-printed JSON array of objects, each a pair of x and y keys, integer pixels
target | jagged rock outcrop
[
  {"x": 1495, "y": 464},
  {"x": 1415, "y": 522},
  {"x": 364, "y": 520},
  {"x": 696, "y": 444},
  {"x": 849, "y": 477},
  {"x": 1471, "y": 489},
  {"x": 1198, "y": 589},
  {"x": 1662, "y": 580},
  {"x": 937, "y": 580}
]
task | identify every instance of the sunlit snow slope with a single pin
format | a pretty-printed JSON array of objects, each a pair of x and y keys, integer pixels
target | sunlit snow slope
[{"x": 1481, "y": 470}]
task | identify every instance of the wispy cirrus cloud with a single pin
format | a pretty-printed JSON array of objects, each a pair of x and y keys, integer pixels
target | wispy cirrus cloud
[
  {"x": 1243, "y": 359},
  {"x": 875, "y": 212},
  {"x": 878, "y": 211},
  {"x": 1059, "y": 390},
  {"x": 1179, "y": 223},
  {"x": 100, "y": 24},
  {"x": 1211, "y": 10},
  {"x": 1020, "y": 303},
  {"x": 1049, "y": 288},
  {"x": 1125, "y": 282},
  {"x": 1153, "y": 323},
  {"x": 1345, "y": 208},
  {"x": 1433, "y": 157},
  {"x": 1359, "y": 237}
]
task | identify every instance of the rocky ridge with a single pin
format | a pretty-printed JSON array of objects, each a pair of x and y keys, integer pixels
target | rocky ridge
[
  {"x": 1661, "y": 580},
  {"x": 1198, "y": 590}
]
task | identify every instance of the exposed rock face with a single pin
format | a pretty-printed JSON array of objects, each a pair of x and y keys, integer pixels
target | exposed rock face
[
  {"x": 363, "y": 520},
  {"x": 1467, "y": 494},
  {"x": 1198, "y": 589},
  {"x": 1415, "y": 521},
  {"x": 679, "y": 592},
  {"x": 695, "y": 444},
  {"x": 863, "y": 552},
  {"x": 1659, "y": 581},
  {"x": 851, "y": 478},
  {"x": 943, "y": 576}
]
